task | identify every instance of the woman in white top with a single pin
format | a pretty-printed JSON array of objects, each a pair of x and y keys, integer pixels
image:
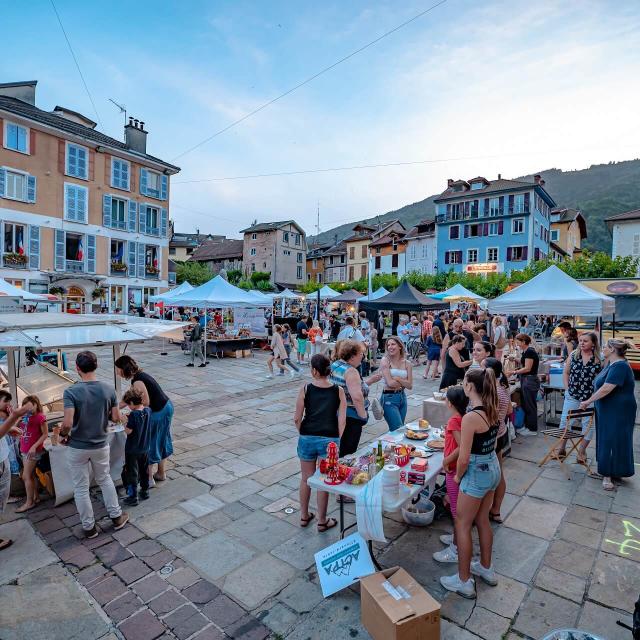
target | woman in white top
[
  {"x": 499, "y": 337},
  {"x": 397, "y": 374}
]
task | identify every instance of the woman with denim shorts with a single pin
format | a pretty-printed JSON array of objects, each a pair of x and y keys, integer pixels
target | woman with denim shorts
[
  {"x": 321, "y": 411},
  {"x": 478, "y": 474},
  {"x": 398, "y": 375}
]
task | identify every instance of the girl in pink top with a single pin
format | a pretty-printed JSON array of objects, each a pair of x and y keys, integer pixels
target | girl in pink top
[{"x": 34, "y": 433}]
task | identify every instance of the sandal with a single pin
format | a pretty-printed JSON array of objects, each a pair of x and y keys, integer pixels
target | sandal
[
  {"x": 607, "y": 485},
  {"x": 158, "y": 478},
  {"x": 581, "y": 458},
  {"x": 304, "y": 522},
  {"x": 329, "y": 524},
  {"x": 562, "y": 455},
  {"x": 4, "y": 543},
  {"x": 495, "y": 517}
]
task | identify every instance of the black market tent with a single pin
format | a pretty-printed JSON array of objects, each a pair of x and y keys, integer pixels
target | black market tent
[
  {"x": 405, "y": 298},
  {"x": 348, "y": 297}
]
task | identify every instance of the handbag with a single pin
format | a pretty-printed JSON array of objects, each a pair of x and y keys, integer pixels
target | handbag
[{"x": 376, "y": 408}]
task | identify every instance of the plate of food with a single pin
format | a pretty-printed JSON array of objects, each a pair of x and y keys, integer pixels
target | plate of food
[
  {"x": 436, "y": 443},
  {"x": 420, "y": 453},
  {"x": 418, "y": 425},
  {"x": 416, "y": 435}
]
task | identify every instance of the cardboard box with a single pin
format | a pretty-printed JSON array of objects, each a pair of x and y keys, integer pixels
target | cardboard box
[{"x": 395, "y": 607}]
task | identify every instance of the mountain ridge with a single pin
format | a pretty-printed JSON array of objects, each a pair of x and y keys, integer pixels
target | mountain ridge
[{"x": 599, "y": 191}]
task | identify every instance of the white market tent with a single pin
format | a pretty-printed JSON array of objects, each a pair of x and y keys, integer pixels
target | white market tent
[
  {"x": 9, "y": 290},
  {"x": 553, "y": 292},
  {"x": 287, "y": 294},
  {"x": 267, "y": 298},
  {"x": 219, "y": 293},
  {"x": 457, "y": 293},
  {"x": 326, "y": 292},
  {"x": 378, "y": 293},
  {"x": 167, "y": 296}
]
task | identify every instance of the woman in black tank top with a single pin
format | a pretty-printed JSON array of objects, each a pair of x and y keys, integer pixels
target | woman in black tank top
[
  {"x": 454, "y": 363},
  {"x": 478, "y": 474},
  {"x": 321, "y": 413}
]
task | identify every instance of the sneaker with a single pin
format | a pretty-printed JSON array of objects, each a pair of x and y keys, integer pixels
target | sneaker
[
  {"x": 453, "y": 583},
  {"x": 152, "y": 482},
  {"x": 190, "y": 364},
  {"x": 202, "y": 365},
  {"x": 269, "y": 376},
  {"x": 448, "y": 555},
  {"x": 447, "y": 538},
  {"x": 526, "y": 432},
  {"x": 131, "y": 501},
  {"x": 487, "y": 575},
  {"x": 143, "y": 495},
  {"x": 120, "y": 521},
  {"x": 89, "y": 534}
]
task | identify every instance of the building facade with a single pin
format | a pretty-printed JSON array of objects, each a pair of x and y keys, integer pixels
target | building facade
[
  {"x": 182, "y": 245},
  {"x": 494, "y": 226},
  {"x": 335, "y": 263},
  {"x": 421, "y": 248},
  {"x": 279, "y": 248},
  {"x": 358, "y": 251},
  {"x": 220, "y": 254},
  {"x": 388, "y": 250},
  {"x": 315, "y": 263},
  {"x": 568, "y": 230},
  {"x": 80, "y": 210},
  {"x": 625, "y": 233}
]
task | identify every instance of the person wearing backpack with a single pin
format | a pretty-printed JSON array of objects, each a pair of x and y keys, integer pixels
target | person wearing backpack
[{"x": 499, "y": 336}]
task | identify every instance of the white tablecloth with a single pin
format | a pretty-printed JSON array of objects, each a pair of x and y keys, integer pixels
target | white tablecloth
[{"x": 436, "y": 412}]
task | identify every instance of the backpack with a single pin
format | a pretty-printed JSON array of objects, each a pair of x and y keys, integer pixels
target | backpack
[{"x": 501, "y": 341}]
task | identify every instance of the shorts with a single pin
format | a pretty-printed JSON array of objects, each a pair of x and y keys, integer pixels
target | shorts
[
  {"x": 302, "y": 346},
  {"x": 38, "y": 455},
  {"x": 502, "y": 442},
  {"x": 482, "y": 476},
  {"x": 310, "y": 448}
]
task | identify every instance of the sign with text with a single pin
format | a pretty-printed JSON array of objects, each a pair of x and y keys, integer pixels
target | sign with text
[
  {"x": 344, "y": 562},
  {"x": 483, "y": 267},
  {"x": 252, "y": 317},
  {"x": 10, "y": 305}
]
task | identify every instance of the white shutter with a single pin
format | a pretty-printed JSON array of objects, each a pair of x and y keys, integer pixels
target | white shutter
[
  {"x": 106, "y": 210},
  {"x": 34, "y": 247}
]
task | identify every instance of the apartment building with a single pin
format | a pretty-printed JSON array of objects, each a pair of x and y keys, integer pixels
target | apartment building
[
  {"x": 420, "y": 255},
  {"x": 335, "y": 263},
  {"x": 494, "y": 226},
  {"x": 568, "y": 230},
  {"x": 279, "y": 248},
  {"x": 625, "y": 232},
  {"x": 358, "y": 251},
  {"x": 80, "y": 210},
  {"x": 315, "y": 263},
  {"x": 220, "y": 254},
  {"x": 389, "y": 250}
]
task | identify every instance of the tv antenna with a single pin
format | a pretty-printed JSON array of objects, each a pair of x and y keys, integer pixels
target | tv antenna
[{"x": 123, "y": 109}]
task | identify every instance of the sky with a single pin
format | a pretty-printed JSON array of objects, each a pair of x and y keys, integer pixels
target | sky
[{"x": 475, "y": 88}]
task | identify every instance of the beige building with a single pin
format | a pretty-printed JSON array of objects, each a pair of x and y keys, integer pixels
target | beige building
[
  {"x": 182, "y": 245},
  {"x": 625, "y": 233},
  {"x": 568, "y": 230},
  {"x": 78, "y": 209},
  {"x": 279, "y": 248},
  {"x": 358, "y": 251},
  {"x": 335, "y": 263}
]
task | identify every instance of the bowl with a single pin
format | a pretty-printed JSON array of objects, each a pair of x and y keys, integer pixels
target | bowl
[
  {"x": 439, "y": 395},
  {"x": 420, "y": 514}
]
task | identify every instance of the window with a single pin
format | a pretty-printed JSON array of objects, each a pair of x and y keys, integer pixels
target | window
[
  {"x": 454, "y": 232},
  {"x": 153, "y": 221},
  {"x": 517, "y": 225},
  {"x": 330, "y": 260},
  {"x": 153, "y": 182},
  {"x": 299, "y": 273},
  {"x": 16, "y": 137},
  {"x": 314, "y": 263},
  {"x": 475, "y": 230},
  {"x": 517, "y": 253},
  {"x": 425, "y": 250},
  {"x": 472, "y": 255},
  {"x": 364, "y": 251},
  {"x": 254, "y": 236},
  {"x": 378, "y": 249},
  {"x": 151, "y": 263},
  {"x": 352, "y": 273},
  {"x": 363, "y": 270},
  {"x": 119, "y": 213},
  {"x": 453, "y": 257},
  {"x": 477, "y": 185},
  {"x": 412, "y": 251},
  {"x": 494, "y": 207},
  {"x": 518, "y": 203},
  {"x": 555, "y": 235},
  {"x": 252, "y": 252},
  {"x": 117, "y": 257},
  {"x": 286, "y": 252},
  {"x": 77, "y": 164},
  {"x": 352, "y": 253},
  {"x": 172, "y": 251},
  {"x": 378, "y": 262},
  {"x": 14, "y": 238},
  {"x": 74, "y": 248},
  {"x": 75, "y": 203},
  {"x": 394, "y": 244},
  {"x": 493, "y": 228},
  {"x": 492, "y": 254},
  {"x": 299, "y": 258},
  {"x": 635, "y": 249},
  {"x": 319, "y": 278},
  {"x": 296, "y": 238},
  {"x": 120, "y": 171},
  {"x": 15, "y": 185},
  {"x": 394, "y": 260},
  {"x": 253, "y": 267},
  {"x": 285, "y": 236}
]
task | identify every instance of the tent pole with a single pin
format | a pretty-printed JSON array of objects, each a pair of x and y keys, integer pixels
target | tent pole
[
  {"x": 116, "y": 377},
  {"x": 318, "y": 306},
  {"x": 11, "y": 373},
  {"x": 614, "y": 327}
]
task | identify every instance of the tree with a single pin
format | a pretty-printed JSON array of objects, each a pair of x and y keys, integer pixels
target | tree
[
  {"x": 234, "y": 276},
  {"x": 196, "y": 273}
]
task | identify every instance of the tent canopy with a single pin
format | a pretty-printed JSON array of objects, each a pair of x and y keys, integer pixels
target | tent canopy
[
  {"x": 349, "y": 296},
  {"x": 553, "y": 292},
  {"x": 405, "y": 298},
  {"x": 9, "y": 290},
  {"x": 168, "y": 295},
  {"x": 287, "y": 294},
  {"x": 218, "y": 293},
  {"x": 458, "y": 292},
  {"x": 378, "y": 293},
  {"x": 325, "y": 292}
]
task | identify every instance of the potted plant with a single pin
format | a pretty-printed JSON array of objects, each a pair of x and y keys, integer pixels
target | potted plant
[
  {"x": 15, "y": 258},
  {"x": 98, "y": 293},
  {"x": 118, "y": 266},
  {"x": 56, "y": 291},
  {"x": 150, "y": 269}
]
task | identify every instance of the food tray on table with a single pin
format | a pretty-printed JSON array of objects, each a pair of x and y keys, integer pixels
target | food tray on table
[{"x": 418, "y": 425}]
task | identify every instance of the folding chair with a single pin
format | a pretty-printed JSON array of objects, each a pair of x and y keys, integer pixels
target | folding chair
[{"x": 571, "y": 435}]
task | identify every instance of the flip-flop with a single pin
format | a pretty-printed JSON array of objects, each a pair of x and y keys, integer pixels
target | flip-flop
[
  {"x": 329, "y": 524},
  {"x": 22, "y": 510},
  {"x": 4, "y": 543},
  {"x": 495, "y": 517},
  {"x": 304, "y": 522}
]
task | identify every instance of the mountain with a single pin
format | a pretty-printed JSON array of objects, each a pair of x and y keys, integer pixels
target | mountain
[{"x": 600, "y": 191}]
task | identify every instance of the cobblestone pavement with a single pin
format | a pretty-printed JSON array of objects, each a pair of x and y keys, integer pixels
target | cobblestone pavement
[{"x": 217, "y": 551}]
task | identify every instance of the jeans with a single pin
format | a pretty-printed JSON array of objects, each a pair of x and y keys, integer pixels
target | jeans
[
  {"x": 394, "y": 406},
  {"x": 197, "y": 350},
  {"x": 314, "y": 447},
  {"x": 136, "y": 470},
  {"x": 290, "y": 364},
  {"x": 316, "y": 347},
  {"x": 529, "y": 386},
  {"x": 81, "y": 463},
  {"x": 571, "y": 404}
]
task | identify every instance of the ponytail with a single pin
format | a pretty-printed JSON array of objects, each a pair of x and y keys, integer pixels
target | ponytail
[{"x": 484, "y": 382}]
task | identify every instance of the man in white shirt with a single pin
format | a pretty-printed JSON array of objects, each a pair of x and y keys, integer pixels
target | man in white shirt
[
  {"x": 349, "y": 331},
  {"x": 365, "y": 325},
  {"x": 403, "y": 330}
]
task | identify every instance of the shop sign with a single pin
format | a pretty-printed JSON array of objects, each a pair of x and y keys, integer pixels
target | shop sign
[{"x": 483, "y": 267}]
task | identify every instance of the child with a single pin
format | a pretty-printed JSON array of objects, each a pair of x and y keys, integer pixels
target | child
[
  {"x": 315, "y": 336},
  {"x": 136, "y": 464},
  {"x": 434, "y": 347},
  {"x": 34, "y": 433},
  {"x": 457, "y": 402}
]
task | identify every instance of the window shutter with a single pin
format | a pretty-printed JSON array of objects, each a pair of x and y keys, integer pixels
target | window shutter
[
  {"x": 32, "y": 142},
  {"x": 486, "y": 206},
  {"x": 91, "y": 253},
  {"x": 72, "y": 208},
  {"x": 459, "y": 260},
  {"x": 525, "y": 252},
  {"x": 500, "y": 227},
  {"x": 131, "y": 266},
  {"x": 143, "y": 181},
  {"x": 132, "y": 178},
  {"x": 466, "y": 230},
  {"x": 81, "y": 202},
  {"x": 92, "y": 164},
  {"x": 466, "y": 208},
  {"x": 107, "y": 169},
  {"x": 476, "y": 207},
  {"x": 164, "y": 187},
  {"x": 142, "y": 217},
  {"x": 81, "y": 162},
  {"x": 34, "y": 247},
  {"x": 536, "y": 253},
  {"x": 61, "y": 148},
  {"x": 115, "y": 173},
  {"x": 106, "y": 210},
  {"x": 446, "y": 257},
  {"x": 60, "y": 250},
  {"x": 509, "y": 253},
  {"x": 140, "y": 259},
  {"x": 3, "y": 180},
  {"x": 132, "y": 215},
  {"x": 448, "y": 209},
  {"x": 485, "y": 229},
  {"x": 164, "y": 222},
  {"x": 501, "y": 204},
  {"x": 526, "y": 202},
  {"x": 124, "y": 172},
  {"x": 511, "y": 199},
  {"x": 31, "y": 189}
]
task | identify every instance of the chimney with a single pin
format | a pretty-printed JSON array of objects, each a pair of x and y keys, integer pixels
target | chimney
[
  {"x": 335, "y": 238},
  {"x": 499, "y": 176},
  {"x": 537, "y": 178},
  {"x": 135, "y": 136},
  {"x": 449, "y": 182},
  {"x": 25, "y": 91}
]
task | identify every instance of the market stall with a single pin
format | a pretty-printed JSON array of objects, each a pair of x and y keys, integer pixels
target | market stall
[
  {"x": 375, "y": 295},
  {"x": 168, "y": 296},
  {"x": 458, "y": 293}
]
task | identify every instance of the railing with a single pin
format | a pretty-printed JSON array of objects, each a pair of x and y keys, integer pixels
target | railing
[
  {"x": 117, "y": 224},
  {"x": 473, "y": 215},
  {"x": 153, "y": 231},
  {"x": 15, "y": 261},
  {"x": 119, "y": 271},
  {"x": 74, "y": 265},
  {"x": 152, "y": 274}
]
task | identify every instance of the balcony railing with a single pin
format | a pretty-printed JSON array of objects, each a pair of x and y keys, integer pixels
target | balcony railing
[
  {"x": 118, "y": 269},
  {"x": 153, "y": 231},
  {"x": 15, "y": 261},
  {"x": 74, "y": 266},
  {"x": 152, "y": 273},
  {"x": 473, "y": 215}
]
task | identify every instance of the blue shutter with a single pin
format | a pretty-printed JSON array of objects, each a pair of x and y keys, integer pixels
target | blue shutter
[
  {"x": 72, "y": 207},
  {"x": 132, "y": 215},
  {"x": 143, "y": 181},
  {"x": 3, "y": 179},
  {"x": 72, "y": 160},
  {"x": 142, "y": 217},
  {"x": 91, "y": 253},
  {"x": 106, "y": 210},
  {"x": 525, "y": 253},
  {"x": 501, "y": 204},
  {"x": 31, "y": 189},
  {"x": 164, "y": 187},
  {"x": 526, "y": 202},
  {"x": 140, "y": 258},
  {"x": 81, "y": 202},
  {"x": 466, "y": 230},
  {"x": 124, "y": 175},
  {"x": 164, "y": 222},
  {"x": 131, "y": 265},
  {"x": 509, "y": 253},
  {"x": 82, "y": 163},
  {"x": 446, "y": 257},
  {"x": 500, "y": 227},
  {"x": 60, "y": 250},
  {"x": 34, "y": 247},
  {"x": 511, "y": 201},
  {"x": 115, "y": 172}
]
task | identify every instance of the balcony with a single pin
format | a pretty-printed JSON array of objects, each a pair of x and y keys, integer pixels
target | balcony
[
  {"x": 473, "y": 215},
  {"x": 74, "y": 266},
  {"x": 152, "y": 273},
  {"x": 15, "y": 261},
  {"x": 118, "y": 269},
  {"x": 153, "y": 231}
]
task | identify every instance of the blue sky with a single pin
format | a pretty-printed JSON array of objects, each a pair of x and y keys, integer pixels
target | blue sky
[{"x": 527, "y": 85}]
